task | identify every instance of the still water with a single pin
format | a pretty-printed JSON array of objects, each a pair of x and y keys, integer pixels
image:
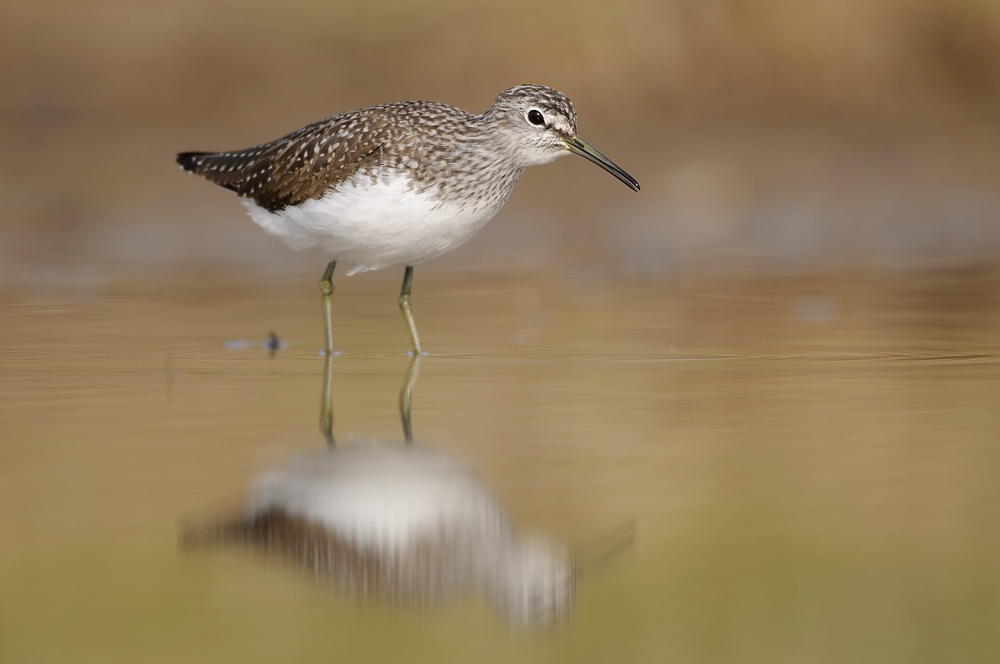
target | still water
[{"x": 699, "y": 470}]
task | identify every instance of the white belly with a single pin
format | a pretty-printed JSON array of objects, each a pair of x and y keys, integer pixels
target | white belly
[
  {"x": 374, "y": 227},
  {"x": 384, "y": 497}
]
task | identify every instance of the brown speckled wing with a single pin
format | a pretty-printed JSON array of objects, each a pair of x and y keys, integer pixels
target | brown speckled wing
[{"x": 302, "y": 165}]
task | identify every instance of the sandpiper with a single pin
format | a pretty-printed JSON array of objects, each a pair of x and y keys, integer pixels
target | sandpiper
[
  {"x": 400, "y": 184},
  {"x": 406, "y": 524}
]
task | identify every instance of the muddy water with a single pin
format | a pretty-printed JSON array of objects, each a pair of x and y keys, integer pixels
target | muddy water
[{"x": 811, "y": 466}]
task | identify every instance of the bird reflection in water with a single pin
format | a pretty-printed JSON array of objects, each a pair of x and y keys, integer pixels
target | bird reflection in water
[{"x": 401, "y": 523}]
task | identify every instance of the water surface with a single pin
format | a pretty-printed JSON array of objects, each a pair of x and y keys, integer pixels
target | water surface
[{"x": 812, "y": 465}]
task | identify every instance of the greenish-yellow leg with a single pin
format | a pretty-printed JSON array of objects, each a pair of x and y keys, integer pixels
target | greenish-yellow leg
[
  {"x": 406, "y": 395},
  {"x": 326, "y": 290},
  {"x": 405, "y": 306},
  {"x": 326, "y": 400}
]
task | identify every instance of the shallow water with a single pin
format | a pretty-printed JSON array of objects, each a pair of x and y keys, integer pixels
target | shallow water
[{"x": 811, "y": 465}]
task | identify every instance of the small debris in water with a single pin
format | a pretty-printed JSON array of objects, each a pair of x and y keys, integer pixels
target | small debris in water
[{"x": 273, "y": 344}]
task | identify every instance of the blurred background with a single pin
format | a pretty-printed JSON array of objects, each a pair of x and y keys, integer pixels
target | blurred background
[
  {"x": 778, "y": 361},
  {"x": 766, "y": 133}
]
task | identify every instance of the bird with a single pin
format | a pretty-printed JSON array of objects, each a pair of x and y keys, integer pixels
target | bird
[
  {"x": 397, "y": 185},
  {"x": 406, "y": 524}
]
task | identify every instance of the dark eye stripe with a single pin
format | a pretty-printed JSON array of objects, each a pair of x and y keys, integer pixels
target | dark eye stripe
[{"x": 535, "y": 117}]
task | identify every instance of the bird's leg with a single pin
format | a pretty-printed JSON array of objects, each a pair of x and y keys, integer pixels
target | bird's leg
[
  {"x": 405, "y": 307},
  {"x": 326, "y": 401},
  {"x": 405, "y": 396},
  {"x": 326, "y": 290},
  {"x": 326, "y": 398},
  {"x": 406, "y": 393}
]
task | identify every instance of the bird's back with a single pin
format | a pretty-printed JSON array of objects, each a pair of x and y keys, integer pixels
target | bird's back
[{"x": 416, "y": 136}]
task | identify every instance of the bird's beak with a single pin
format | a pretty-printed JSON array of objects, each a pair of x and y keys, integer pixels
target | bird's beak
[{"x": 578, "y": 146}]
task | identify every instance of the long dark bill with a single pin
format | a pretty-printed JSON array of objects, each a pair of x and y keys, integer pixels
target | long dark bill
[{"x": 578, "y": 146}]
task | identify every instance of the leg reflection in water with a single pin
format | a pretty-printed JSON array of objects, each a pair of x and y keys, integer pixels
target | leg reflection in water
[
  {"x": 326, "y": 401},
  {"x": 405, "y": 399}
]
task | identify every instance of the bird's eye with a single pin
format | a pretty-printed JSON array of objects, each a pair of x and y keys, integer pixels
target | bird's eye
[{"x": 535, "y": 117}]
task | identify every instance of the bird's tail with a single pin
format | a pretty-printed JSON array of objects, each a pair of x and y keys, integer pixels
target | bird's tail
[{"x": 190, "y": 161}]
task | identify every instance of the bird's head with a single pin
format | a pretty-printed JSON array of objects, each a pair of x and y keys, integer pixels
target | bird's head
[{"x": 539, "y": 124}]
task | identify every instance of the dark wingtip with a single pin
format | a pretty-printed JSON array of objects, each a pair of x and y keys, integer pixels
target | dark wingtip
[{"x": 189, "y": 160}]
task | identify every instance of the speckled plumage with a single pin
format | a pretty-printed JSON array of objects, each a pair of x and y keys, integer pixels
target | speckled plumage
[
  {"x": 433, "y": 174},
  {"x": 440, "y": 147},
  {"x": 399, "y": 184}
]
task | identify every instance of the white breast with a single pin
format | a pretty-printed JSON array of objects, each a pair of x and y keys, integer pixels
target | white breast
[
  {"x": 384, "y": 225},
  {"x": 386, "y": 501},
  {"x": 384, "y": 498}
]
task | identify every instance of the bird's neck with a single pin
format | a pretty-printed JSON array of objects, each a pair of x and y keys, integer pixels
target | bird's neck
[
  {"x": 486, "y": 162},
  {"x": 497, "y": 136}
]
